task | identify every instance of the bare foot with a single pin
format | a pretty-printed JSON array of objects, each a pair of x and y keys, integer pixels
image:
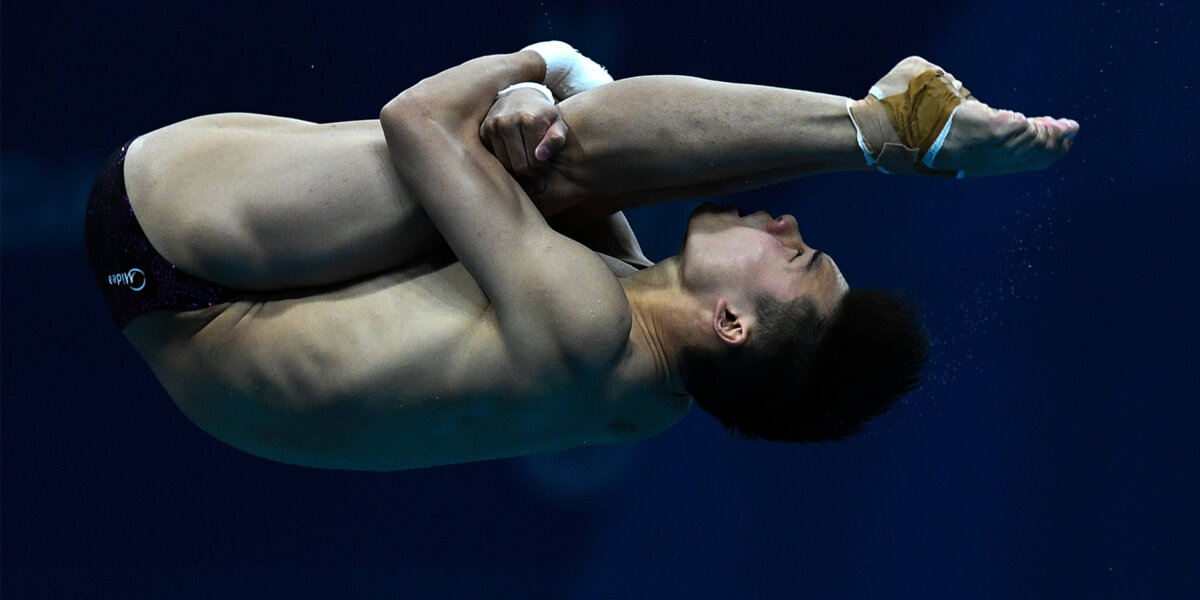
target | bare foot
[{"x": 983, "y": 140}]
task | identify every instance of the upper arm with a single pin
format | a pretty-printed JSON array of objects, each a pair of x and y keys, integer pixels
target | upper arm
[{"x": 608, "y": 234}]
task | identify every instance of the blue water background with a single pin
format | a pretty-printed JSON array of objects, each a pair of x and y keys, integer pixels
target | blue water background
[{"x": 1052, "y": 453}]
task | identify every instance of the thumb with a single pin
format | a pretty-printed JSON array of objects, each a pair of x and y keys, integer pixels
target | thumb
[{"x": 552, "y": 142}]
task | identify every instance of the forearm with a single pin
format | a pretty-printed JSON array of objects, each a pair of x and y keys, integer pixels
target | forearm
[
  {"x": 458, "y": 98},
  {"x": 490, "y": 224},
  {"x": 647, "y": 139},
  {"x": 431, "y": 131}
]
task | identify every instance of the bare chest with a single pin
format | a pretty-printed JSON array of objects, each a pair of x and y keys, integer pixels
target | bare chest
[{"x": 400, "y": 371}]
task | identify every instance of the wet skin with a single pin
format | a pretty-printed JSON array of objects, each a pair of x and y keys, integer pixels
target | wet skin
[{"x": 757, "y": 253}]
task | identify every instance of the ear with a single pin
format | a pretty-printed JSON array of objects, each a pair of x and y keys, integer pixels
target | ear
[{"x": 731, "y": 328}]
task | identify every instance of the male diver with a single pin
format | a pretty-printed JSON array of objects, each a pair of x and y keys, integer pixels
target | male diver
[{"x": 384, "y": 295}]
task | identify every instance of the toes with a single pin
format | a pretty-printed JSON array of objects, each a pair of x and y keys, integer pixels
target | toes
[
  {"x": 1061, "y": 129},
  {"x": 1072, "y": 127},
  {"x": 1054, "y": 137}
]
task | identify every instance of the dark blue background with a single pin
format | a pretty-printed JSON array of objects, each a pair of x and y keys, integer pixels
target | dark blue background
[{"x": 1051, "y": 455}]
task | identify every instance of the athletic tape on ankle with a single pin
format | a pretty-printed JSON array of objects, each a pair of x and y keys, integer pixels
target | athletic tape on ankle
[
  {"x": 937, "y": 144},
  {"x": 903, "y": 133},
  {"x": 528, "y": 85},
  {"x": 877, "y": 138},
  {"x": 567, "y": 71},
  {"x": 859, "y": 135}
]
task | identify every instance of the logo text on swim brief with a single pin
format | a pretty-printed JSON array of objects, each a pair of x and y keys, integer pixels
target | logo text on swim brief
[{"x": 134, "y": 278}]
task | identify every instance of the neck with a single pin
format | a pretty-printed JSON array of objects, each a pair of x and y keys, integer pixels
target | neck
[{"x": 658, "y": 318}]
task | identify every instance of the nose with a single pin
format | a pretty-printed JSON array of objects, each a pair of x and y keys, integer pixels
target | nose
[{"x": 784, "y": 225}]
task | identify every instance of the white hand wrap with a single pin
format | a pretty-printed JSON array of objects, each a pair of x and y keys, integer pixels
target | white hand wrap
[
  {"x": 531, "y": 85},
  {"x": 567, "y": 71}
]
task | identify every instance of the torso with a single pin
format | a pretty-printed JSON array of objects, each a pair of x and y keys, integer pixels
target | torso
[
  {"x": 405, "y": 370},
  {"x": 401, "y": 370}
]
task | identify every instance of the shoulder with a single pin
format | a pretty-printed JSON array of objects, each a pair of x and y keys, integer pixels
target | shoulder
[{"x": 584, "y": 313}]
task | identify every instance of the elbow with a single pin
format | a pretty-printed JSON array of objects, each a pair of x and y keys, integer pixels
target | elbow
[
  {"x": 410, "y": 120},
  {"x": 410, "y": 107},
  {"x": 412, "y": 125},
  {"x": 393, "y": 110}
]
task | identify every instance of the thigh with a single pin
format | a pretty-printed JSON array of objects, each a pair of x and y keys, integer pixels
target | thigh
[{"x": 263, "y": 203}]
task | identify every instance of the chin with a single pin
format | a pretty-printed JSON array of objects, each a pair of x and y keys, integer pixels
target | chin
[
  {"x": 712, "y": 208},
  {"x": 705, "y": 208}
]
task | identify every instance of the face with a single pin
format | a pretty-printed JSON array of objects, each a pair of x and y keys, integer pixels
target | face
[{"x": 753, "y": 254}]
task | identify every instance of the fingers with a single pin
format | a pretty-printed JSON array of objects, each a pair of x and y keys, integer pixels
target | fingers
[
  {"x": 524, "y": 143},
  {"x": 524, "y": 132},
  {"x": 514, "y": 144},
  {"x": 551, "y": 143},
  {"x": 490, "y": 133},
  {"x": 505, "y": 137}
]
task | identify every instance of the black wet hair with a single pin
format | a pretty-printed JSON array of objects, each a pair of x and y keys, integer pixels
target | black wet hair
[{"x": 804, "y": 378}]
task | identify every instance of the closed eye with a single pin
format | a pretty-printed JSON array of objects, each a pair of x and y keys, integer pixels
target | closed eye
[
  {"x": 812, "y": 262},
  {"x": 798, "y": 253}
]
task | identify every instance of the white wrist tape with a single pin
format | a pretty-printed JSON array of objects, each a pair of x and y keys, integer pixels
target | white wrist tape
[
  {"x": 531, "y": 85},
  {"x": 567, "y": 71}
]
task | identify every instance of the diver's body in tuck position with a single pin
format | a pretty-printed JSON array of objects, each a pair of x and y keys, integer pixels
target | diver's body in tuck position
[{"x": 454, "y": 281}]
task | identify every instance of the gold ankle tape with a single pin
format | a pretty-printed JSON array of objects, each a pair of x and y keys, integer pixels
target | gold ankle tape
[{"x": 897, "y": 131}]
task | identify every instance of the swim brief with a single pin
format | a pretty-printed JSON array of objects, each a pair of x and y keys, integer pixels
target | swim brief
[{"x": 133, "y": 277}]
